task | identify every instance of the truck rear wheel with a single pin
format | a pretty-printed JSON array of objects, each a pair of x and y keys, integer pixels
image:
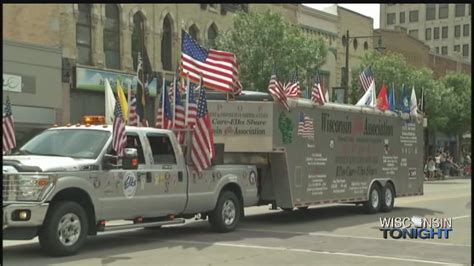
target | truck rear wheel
[
  {"x": 374, "y": 202},
  {"x": 388, "y": 198},
  {"x": 226, "y": 215},
  {"x": 64, "y": 230}
]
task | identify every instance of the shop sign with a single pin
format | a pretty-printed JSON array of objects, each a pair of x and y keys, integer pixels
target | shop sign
[
  {"x": 94, "y": 80},
  {"x": 12, "y": 83}
]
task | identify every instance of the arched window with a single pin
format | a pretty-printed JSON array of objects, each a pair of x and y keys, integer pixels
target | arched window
[
  {"x": 166, "y": 44},
  {"x": 138, "y": 37},
  {"x": 212, "y": 35},
  {"x": 194, "y": 32},
  {"x": 83, "y": 35},
  {"x": 112, "y": 36}
]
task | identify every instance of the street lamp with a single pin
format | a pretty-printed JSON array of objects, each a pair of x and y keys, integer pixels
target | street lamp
[{"x": 346, "y": 40}]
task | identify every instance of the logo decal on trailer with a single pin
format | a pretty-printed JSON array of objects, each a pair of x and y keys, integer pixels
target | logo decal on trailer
[{"x": 129, "y": 184}]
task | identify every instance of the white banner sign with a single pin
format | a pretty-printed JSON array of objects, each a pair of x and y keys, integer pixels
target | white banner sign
[{"x": 12, "y": 83}]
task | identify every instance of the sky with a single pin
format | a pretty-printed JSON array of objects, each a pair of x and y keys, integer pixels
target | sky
[{"x": 370, "y": 10}]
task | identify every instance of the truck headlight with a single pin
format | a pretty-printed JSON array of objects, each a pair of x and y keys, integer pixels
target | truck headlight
[{"x": 34, "y": 187}]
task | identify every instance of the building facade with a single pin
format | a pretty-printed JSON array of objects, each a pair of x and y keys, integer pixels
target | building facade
[
  {"x": 78, "y": 46},
  {"x": 357, "y": 25},
  {"x": 319, "y": 24},
  {"x": 445, "y": 28},
  {"x": 419, "y": 54}
]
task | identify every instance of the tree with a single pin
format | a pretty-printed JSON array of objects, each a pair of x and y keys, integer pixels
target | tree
[
  {"x": 260, "y": 40},
  {"x": 456, "y": 103}
]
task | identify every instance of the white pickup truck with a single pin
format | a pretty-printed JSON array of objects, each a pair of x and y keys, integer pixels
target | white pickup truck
[{"x": 65, "y": 184}]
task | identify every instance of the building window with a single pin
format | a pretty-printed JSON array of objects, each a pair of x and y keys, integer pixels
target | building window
[
  {"x": 436, "y": 33},
  {"x": 457, "y": 48},
  {"x": 428, "y": 34},
  {"x": 460, "y": 10},
  {"x": 437, "y": 50},
  {"x": 194, "y": 32},
  {"x": 211, "y": 36},
  {"x": 390, "y": 18},
  {"x": 465, "y": 50},
  {"x": 444, "y": 32},
  {"x": 430, "y": 11},
  {"x": 402, "y": 17},
  {"x": 138, "y": 38},
  {"x": 112, "y": 36},
  {"x": 465, "y": 30},
  {"x": 414, "y": 16},
  {"x": 413, "y": 33},
  {"x": 444, "y": 50},
  {"x": 457, "y": 31},
  {"x": 443, "y": 11},
  {"x": 166, "y": 44},
  {"x": 83, "y": 35}
]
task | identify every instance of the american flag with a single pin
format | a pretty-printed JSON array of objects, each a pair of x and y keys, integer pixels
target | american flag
[
  {"x": 9, "y": 141},
  {"x": 119, "y": 136},
  {"x": 276, "y": 90},
  {"x": 202, "y": 150},
  {"x": 218, "y": 69},
  {"x": 192, "y": 107},
  {"x": 179, "y": 118},
  {"x": 366, "y": 77},
  {"x": 164, "y": 121},
  {"x": 132, "y": 115},
  {"x": 292, "y": 88},
  {"x": 305, "y": 126},
  {"x": 317, "y": 94}
]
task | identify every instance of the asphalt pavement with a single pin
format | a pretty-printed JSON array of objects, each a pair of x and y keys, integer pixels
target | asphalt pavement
[{"x": 330, "y": 235}]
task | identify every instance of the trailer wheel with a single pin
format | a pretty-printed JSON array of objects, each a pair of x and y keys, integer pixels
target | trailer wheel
[
  {"x": 388, "y": 198},
  {"x": 64, "y": 230},
  {"x": 374, "y": 202},
  {"x": 226, "y": 215}
]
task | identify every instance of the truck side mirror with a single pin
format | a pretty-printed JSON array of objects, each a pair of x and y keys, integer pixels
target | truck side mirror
[
  {"x": 130, "y": 158},
  {"x": 109, "y": 162}
]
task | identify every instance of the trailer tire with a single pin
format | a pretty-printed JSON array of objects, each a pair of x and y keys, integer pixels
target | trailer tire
[
  {"x": 226, "y": 214},
  {"x": 374, "y": 202},
  {"x": 388, "y": 198},
  {"x": 64, "y": 230}
]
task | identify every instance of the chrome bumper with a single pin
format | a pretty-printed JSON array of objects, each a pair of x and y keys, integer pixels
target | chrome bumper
[{"x": 38, "y": 214}]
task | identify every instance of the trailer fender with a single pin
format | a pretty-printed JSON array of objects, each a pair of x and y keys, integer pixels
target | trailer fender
[{"x": 380, "y": 181}]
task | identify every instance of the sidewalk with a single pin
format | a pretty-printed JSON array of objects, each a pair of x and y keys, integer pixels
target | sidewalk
[{"x": 449, "y": 178}]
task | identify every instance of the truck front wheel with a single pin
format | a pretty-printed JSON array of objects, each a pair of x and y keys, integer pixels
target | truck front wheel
[
  {"x": 374, "y": 202},
  {"x": 226, "y": 215},
  {"x": 64, "y": 230}
]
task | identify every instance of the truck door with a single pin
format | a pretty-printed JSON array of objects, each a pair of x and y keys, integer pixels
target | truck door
[
  {"x": 122, "y": 192},
  {"x": 168, "y": 174}
]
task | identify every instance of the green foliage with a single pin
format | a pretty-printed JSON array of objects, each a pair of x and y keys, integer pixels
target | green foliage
[
  {"x": 456, "y": 104},
  {"x": 447, "y": 101},
  {"x": 260, "y": 40}
]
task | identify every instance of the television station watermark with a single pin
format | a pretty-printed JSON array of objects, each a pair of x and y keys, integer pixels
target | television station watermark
[{"x": 415, "y": 227}]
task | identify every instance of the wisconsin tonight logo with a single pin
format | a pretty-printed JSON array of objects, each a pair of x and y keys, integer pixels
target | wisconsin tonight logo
[{"x": 415, "y": 227}]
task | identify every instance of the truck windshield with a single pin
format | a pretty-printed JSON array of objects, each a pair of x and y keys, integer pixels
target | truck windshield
[{"x": 75, "y": 143}]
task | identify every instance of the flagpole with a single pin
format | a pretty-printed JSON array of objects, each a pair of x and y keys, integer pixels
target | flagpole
[
  {"x": 163, "y": 102},
  {"x": 174, "y": 97},
  {"x": 187, "y": 102}
]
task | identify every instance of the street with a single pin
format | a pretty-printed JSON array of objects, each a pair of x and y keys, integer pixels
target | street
[{"x": 331, "y": 235}]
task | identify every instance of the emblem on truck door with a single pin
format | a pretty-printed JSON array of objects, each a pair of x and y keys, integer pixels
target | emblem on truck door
[
  {"x": 129, "y": 184},
  {"x": 252, "y": 178}
]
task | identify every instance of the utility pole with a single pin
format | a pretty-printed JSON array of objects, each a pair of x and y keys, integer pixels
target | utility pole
[{"x": 346, "y": 69}]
